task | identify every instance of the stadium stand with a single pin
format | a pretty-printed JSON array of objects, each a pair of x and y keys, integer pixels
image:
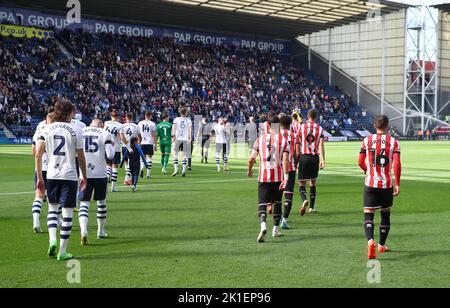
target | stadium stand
[{"x": 133, "y": 75}]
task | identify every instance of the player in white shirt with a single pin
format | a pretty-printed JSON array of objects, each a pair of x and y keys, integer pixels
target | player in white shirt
[
  {"x": 62, "y": 141},
  {"x": 220, "y": 131},
  {"x": 98, "y": 144},
  {"x": 115, "y": 128},
  {"x": 79, "y": 125},
  {"x": 40, "y": 196},
  {"x": 130, "y": 130},
  {"x": 147, "y": 129},
  {"x": 182, "y": 138}
]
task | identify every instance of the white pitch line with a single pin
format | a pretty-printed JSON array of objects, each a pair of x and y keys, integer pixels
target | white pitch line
[{"x": 149, "y": 185}]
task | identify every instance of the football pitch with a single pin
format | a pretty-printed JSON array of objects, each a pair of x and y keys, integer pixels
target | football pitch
[{"x": 200, "y": 231}]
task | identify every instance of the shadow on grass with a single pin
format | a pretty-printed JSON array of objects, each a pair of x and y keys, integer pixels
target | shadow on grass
[
  {"x": 166, "y": 254},
  {"x": 396, "y": 255}
]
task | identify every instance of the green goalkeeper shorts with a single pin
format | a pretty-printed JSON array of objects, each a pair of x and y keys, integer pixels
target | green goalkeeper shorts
[{"x": 165, "y": 148}]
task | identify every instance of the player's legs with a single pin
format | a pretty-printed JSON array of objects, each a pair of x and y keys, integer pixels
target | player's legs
[
  {"x": 52, "y": 225},
  {"x": 135, "y": 170},
  {"x": 150, "y": 165},
  {"x": 114, "y": 176},
  {"x": 83, "y": 214},
  {"x": 101, "y": 218},
  {"x": 385, "y": 227},
  {"x": 225, "y": 156},
  {"x": 36, "y": 211},
  {"x": 167, "y": 150},
  {"x": 37, "y": 206},
  {"x": 109, "y": 171},
  {"x": 189, "y": 163},
  {"x": 54, "y": 193},
  {"x": 68, "y": 203},
  {"x": 264, "y": 198},
  {"x": 288, "y": 197},
  {"x": 219, "y": 150},
  {"x": 100, "y": 197},
  {"x": 373, "y": 201},
  {"x": 387, "y": 196},
  {"x": 128, "y": 173},
  {"x": 185, "y": 151},
  {"x": 115, "y": 171},
  {"x": 305, "y": 202},
  {"x": 176, "y": 151},
  {"x": 205, "y": 150},
  {"x": 312, "y": 196},
  {"x": 277, "y": 208},
  {"x": 127, "y": 169},
  {"x": 314, "y": 174},
  {"x": 369, "y": 226}
]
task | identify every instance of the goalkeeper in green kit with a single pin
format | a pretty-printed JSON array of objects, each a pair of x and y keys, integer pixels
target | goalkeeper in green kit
[{"x": 164, "y": 134}]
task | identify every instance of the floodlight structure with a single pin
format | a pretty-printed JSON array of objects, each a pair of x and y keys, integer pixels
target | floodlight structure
[{"x": 420, "y": 106}]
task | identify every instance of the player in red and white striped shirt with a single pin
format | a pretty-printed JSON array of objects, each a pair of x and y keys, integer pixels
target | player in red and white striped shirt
[
  {"x": 312, "y": 158},
  {"x": 287, "y": 131},
  {"x": 273, "y": 151},
  {"x": 380, "y": 154}
]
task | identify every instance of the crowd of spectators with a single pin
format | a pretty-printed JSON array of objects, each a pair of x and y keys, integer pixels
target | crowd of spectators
[{"x": 133, "y": 75}]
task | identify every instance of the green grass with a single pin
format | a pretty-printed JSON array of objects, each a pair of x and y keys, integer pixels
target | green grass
[{"x": 201, "y": 231}]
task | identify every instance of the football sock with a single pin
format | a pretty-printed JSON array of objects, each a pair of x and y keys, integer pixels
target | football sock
[
  {"x": 52, "y": 221},
  {"x": 185, "y": 161},
  {"x": 128, "y": 174},
  {"x": 114, "y": 175},
  {"x": 83, "y": 217},
  {"x": 150, "y": 165},
  {"x": 218, "y": 161},
  {"x": 36, "y": 208},
  {"x": 262, "y": 213},
  {"x": 312, "y": 196},
  {"x": 142, "y": 166},
  {"x": 303, "y": 193},
  {"x": 175, "y": 164},
  {"x": 189, "y": 162},
  {"x": 225, "y": 161},
  {"x": 385, "y": 227},
  {"x": 101, "y": 215},
  {"x": 369, "y": 225},
  {"x": 66, "y": 229},
  {"x": 108, "y": 172},
  {"x": 287, "y": 204},
  {"x": 263, "y": 226},
  {"x": 163, "y": 159},
  {"x": 277, "y": 213}
]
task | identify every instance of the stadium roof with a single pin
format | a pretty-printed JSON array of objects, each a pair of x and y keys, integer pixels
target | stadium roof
[{"x": 284, "y": 19}]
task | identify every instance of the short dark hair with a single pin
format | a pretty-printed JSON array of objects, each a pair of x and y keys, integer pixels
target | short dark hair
[
  {"x": 274, "y": 120},
  {"x": 271, "y": 114},
  {"x": 129, "y": 116},
  {"x": 134, "y": 140},
  {"x": 285, "y": 122},
  {"x": 164, "y": 116},
  {"x": 312, "y": 114},
  {"x": 381, "y": 122},
  {"x": 295, "y": 116},
  {"x": 148, "y": 114},
  {"x": 63, "y": 109}
]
